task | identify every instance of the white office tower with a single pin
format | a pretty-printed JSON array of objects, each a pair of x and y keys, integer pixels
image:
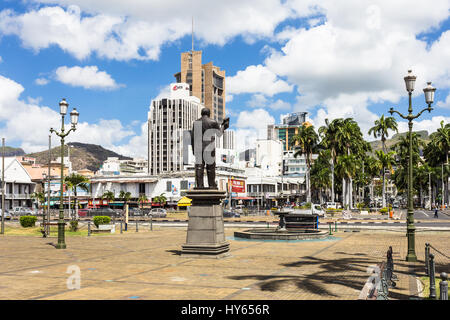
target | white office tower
[
  {"x": 269, "y": 156},
  {"x": 168, "y": 119}
]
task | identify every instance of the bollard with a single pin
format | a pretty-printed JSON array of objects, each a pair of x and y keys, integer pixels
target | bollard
[
  {"x": 335, "y": 226},
  {"x": 137, "y": 228},
  {"x": 432, "y": 279},
  {"x": 120, "y": 226},
  {"x": 267, "y": 225},
  {"x": 89, "y": 229},
  {"x": 151, "y": 223},
  {"x": 330, "y": 229},
  {"x": 427, "y": 257},
  {"x": 443, "y": 287}
]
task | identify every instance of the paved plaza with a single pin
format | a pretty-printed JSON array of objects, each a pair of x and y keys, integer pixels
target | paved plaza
[{"x": 148, "y": 265}]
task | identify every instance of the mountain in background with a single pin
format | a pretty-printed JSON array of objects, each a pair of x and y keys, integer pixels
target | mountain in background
[
  {"x": 376, "y": 145},
  {"x": 82, "y": 155},
  {"x": 12, "y": 152}
]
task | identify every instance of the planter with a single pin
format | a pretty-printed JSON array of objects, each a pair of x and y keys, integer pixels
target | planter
[{"x": 107, "y": 227}]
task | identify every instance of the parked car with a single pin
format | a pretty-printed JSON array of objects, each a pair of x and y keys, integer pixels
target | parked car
[
  {"x": 82, "y": 212},
  {"x": 136, "y": 212},
  {"x": 102, "y": 212},
  {"x": 158, "y": 213},
  {"x": 8, "y": 216},
  {"x": 230, "y": 214},
  {"x": 330, "y": 205},
  {"x": 21, "y": 211}
]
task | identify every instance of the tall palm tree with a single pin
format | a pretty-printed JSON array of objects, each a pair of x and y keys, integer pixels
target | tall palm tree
[
  {"x": 306, "y": 143},
  {"x": 328, "y": 133},
  {"x": 382, "y": 127},
  {"x": 109, "y": 195},
  {"x": 125, "y": 197},
  {"x": 386, "y": 160},
  {"x": 351, "y": 141},
  {"x": 76, "y": 180},
  {"x": 373, "y": 168},
  {"x": 142, "y": 198},
  {"x": 320, "y": 173},
  {"x": 39, "y": 197},
  {"x": 346, "y": 168}
]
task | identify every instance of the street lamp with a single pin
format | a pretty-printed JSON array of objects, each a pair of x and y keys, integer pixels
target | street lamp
[
  {"x": 429, "y": 98},
  {"x": 63, "y": 106}
]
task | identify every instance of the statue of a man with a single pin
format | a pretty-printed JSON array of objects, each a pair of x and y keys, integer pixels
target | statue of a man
[{"x": 203, "y": 145}]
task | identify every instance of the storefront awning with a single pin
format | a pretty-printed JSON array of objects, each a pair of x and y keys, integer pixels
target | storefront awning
[
  {"x": 243, "y": 198},
  {"x": 184, "y": 202}
]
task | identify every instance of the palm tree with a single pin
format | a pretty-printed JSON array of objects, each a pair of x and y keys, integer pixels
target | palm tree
[
  {"x": 351, "y": 141},
  {"x": 109, "y": 196},
  {"x": 142, "y": 198},
  {"x": 125, "y": 197},
  {"x": 386, "y": 160},
  {"x": 346, "y": 168},
  {"x": 328, "y": 133},
  {"x": 39, "y": 197},
  {"x": 382, "y": 127},
  {"x": 161, "y": 199},
  {"x": 76, "y": 180},
  {"x": 320, "y": 173},
  {"x": 306, "y": 143},
  {"x": 372, "y": 167}
]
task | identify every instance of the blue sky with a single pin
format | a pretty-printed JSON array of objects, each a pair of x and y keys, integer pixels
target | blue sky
[{"x": 110, "y": 59}]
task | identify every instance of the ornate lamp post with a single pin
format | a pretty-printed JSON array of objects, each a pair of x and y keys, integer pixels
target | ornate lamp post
[
  {"x": 429, "y": 98},
  {"x": 63, "y": 106}
]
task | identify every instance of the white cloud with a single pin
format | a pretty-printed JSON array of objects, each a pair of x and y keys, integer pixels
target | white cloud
[
  {"x": 41, "y": 81},
  {"x": 259, "y": 100},
  {"x": 136, "y": 29},
  {"x": 28, "y": 123},
  {"x": 252, "y": 125},
  {"x": 257, "y": 79},
  {"x": 430, "y": 125},
  {"x": 88, "y": 77},
  {"x": 444, "y": 104}
]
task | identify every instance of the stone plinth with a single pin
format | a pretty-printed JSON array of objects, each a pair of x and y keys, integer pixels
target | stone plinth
[{"x": 205, "y": 235}]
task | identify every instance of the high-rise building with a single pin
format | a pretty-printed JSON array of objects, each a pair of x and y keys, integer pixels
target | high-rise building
[
  {"x": 206, "y": 82},
  {"x": 288, "y": 129},
  {"x": 168, "y": 119}
]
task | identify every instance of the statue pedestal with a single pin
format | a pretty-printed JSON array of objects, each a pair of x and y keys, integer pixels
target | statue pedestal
[{"x": 205, "y": 235}]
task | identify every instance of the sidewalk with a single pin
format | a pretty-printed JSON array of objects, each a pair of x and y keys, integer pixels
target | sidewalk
[{"x": 147, "y": 265}]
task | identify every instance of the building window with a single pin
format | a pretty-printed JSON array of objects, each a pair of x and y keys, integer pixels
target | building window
[
  {"x": 169, "y": 186},
  {"x": 141, "y": 188},
  {"x": 184, "y": 185}
]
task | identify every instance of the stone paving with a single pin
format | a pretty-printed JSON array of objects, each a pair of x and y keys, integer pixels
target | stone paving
[{"x": 148, "y": 265}]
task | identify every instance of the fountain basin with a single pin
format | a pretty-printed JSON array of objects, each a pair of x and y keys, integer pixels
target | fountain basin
[{"x": 277, "y": 234}]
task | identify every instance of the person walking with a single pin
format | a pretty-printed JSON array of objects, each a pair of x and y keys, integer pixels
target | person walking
[{"x": 436, "y": 211}]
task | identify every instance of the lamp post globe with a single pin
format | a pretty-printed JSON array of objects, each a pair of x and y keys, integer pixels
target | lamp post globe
[
  {"x": 63, "y": 106},
  {"x": 74, "y": 117},
  {"x": 429, "y": 93},
  {"x": 410, "y": 80}
]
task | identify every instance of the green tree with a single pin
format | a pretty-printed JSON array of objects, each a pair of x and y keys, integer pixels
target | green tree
[
  {"x": 306, "y": 143},
  {"x": 320, "y": 173},
  {"x": 161, "y": 199},
  {"x": 328, "y": 134},
  {"x": 39, "y": 197},
  {"x": 386, "y": 160},
  {"x": 109, "y": 196},
  {"x": 382, "y": 127},
  {"x": 76, "y": 180},
  {"x": 125, "y": 197},
  {"x": 142, "y": 198}
]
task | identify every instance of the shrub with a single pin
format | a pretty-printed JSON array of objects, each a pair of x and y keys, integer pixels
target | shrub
[
  {"x": 383, "y": 210},
  {"x": 28, "y": 221},
  {"x": 98, "y": 220},
  {"x": 73, "y": 226}
]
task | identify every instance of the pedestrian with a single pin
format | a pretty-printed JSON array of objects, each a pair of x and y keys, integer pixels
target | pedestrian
[{"x": 436, "y": 211}]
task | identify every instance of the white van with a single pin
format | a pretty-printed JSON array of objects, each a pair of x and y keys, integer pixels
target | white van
[{"x": 332, "y": 205}]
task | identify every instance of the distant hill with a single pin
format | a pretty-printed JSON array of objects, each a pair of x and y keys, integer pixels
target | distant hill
[
  {"x": 82, "y": 155},
  {"x": 12, "y": 152},
  {"x": 376, "y": 145}
]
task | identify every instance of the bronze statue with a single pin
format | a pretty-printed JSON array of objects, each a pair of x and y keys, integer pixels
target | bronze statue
[{"x": 203, "y": 145}]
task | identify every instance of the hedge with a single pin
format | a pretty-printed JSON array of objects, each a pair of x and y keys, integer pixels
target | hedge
[
  {"x": 101, "y": 220},
  {"x": 27, "y": 221}
]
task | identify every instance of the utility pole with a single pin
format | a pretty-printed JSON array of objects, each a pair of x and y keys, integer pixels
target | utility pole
[{"x": 429, "y": 187}]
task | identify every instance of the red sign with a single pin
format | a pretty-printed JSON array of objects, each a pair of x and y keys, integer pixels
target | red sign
[{"x": 237, "y": 186}]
